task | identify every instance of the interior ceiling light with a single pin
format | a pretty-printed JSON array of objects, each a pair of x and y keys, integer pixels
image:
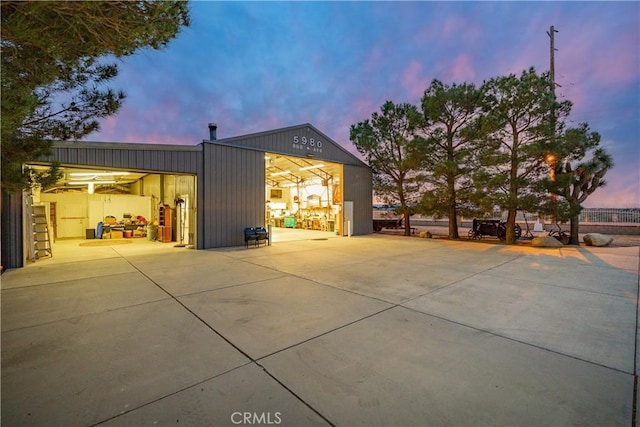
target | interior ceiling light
[
  {"x": 91, "y": 182},
  {"x": 319, "y": 165},
  {"x": 280, "y": 173},
  {"x": 99, "y": 174}
]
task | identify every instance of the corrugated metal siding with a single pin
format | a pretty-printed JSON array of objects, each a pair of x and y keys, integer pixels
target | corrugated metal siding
[
  {"x": 168, "y": 159},
  {"x": 358, "y": 187},
  {"x": 291, "y": 141},
  {"x": 12, "y": 227},
  {"x": 233, "y": 194},
  {"x": 230, "y": 175}
]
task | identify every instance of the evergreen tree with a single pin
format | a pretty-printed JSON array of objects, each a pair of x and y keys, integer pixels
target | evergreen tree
[
  {"x": 386, "y": 142},
  {"x": 447, "y": 145},
  {"x": 55, "y": 62},
  {"x": 517, "y": 135}
]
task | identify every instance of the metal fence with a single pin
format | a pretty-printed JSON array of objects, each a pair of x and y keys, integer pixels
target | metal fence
[
  {"x": 610, "y": 216},
  {"x": 614, "y": 216},
  {"x": 619, "y": 216}
]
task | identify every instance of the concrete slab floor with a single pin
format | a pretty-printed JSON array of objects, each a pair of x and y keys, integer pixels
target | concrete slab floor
[
  {"x": 587, "y": 325},
  {"x": 267, "y": 316},
  {"x": 403, "y": 368},
  {"x": 368, "y": 330},
  {"x": 244, "y": 396},
  {"x": 83, "y": 370}
]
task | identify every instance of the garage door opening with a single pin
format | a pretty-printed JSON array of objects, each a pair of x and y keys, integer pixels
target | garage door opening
[
  {"x": 101, "y": 204},
  {"x": 303, "y": 198}
]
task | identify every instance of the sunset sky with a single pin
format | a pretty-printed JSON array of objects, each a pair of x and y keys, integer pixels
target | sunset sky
[{"x": 256, "y": 66}]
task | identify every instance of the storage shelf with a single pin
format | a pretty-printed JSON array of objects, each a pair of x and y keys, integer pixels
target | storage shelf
[{"x": 164, "y": 224}]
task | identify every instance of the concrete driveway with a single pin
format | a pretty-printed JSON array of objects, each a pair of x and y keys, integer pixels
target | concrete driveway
[{"x": 373, "y": 331}]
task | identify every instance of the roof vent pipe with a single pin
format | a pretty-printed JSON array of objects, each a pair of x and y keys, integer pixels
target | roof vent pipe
[{"x": 213, "y": 131}]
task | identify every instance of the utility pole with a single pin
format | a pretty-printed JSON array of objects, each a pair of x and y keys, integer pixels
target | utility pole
[
  {"x": 552, "y": 75},
  {"x": 552, "y": 66},
  {"x": 551, "y": 158}
]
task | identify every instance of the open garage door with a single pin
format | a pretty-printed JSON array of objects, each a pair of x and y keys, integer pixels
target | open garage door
[
  {"x": 106, "y": 203},
  {"x": 303, "y": 197}
]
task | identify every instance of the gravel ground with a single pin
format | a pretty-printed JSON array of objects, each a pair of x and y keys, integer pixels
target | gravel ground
[{"x": 442, "y": 232}]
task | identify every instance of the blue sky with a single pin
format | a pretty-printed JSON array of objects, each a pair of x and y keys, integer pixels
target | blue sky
[{"x": 255, "y": 66}]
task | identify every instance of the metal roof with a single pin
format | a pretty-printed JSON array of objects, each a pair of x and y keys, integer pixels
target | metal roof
[{"x": 257, "y": 141}]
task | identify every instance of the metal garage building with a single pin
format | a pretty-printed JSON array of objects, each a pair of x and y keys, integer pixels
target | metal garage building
[{"x": 291, "y": 177}]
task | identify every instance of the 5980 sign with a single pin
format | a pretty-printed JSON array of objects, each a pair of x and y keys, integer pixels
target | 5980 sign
[{"x": 309, "y": 144}]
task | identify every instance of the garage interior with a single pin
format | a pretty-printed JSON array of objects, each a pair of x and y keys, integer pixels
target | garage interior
[
  {"x": 302, "y": 194},
  {"x": 143, "y": 205}
]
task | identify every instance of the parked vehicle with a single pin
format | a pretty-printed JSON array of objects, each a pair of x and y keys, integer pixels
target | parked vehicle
[
  {"x": 491, "y": 227},
  {"x": 379, "y": 223}
]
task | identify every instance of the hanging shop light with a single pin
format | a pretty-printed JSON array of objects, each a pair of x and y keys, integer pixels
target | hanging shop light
[
  {"x": 306, "y": 168},
  {"x": 98, "y": 174}
]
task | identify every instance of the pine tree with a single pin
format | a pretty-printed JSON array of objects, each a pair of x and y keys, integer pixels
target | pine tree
[
  {"x": 386, "y": 142},
  {"x": 446, "y": 148},
  {"x": 56, "y": 59},
  {"x": 517, "y": 134}
]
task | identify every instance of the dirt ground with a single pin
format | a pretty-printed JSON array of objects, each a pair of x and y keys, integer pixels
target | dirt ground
[{"x": 442, "y": 232}]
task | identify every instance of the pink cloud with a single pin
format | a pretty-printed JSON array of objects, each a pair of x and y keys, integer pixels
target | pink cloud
[
  {"x": 462, "y": 69},
  {"x": 159, "y": 137},
  {"x": 577, "y": 94},
  {"x": 413, "y": 81},
  {"x": 620, "y": 192},
  {"x": 363, "y": 107},
  {"x": 618, "y": 65},
  {"x": 455, "y": 26},
  {"x": 109, "y": 124},
  {"x": 451, "y": 26},
  {"x": 597, "y": 65},
  {"x": 611, "y": 58},
  {"x": 515, "y": 61}
]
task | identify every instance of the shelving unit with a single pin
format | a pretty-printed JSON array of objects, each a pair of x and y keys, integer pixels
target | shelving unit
[{"x": 164, "y": 224}]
